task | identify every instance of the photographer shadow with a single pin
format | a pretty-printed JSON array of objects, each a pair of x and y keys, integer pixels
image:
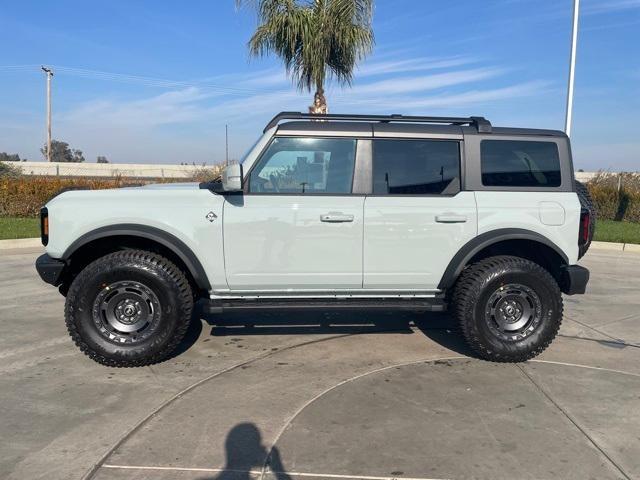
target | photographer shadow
[{"x": 246, "y": 456}]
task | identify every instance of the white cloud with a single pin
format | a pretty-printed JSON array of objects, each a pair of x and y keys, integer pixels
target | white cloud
[
  {"x": 425, "y": 82},
  {"x": 187, "y": 122},
  {"x": 409, "y": 65},
  {"x": 610, "y": 6},
  {"x": 470, "y": 98},
  {"x": 172, "y": 107},
  {"x": 267, "y": 78}
]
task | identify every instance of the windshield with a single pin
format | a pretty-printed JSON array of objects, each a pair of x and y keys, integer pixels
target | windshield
[{"x": 248, "y": 151}]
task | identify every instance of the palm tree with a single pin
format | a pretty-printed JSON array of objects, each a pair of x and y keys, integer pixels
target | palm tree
[{"x": 316, "y": 39}]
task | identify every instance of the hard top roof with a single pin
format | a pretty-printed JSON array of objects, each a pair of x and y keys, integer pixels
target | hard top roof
[{"x": 370, "y": 125}]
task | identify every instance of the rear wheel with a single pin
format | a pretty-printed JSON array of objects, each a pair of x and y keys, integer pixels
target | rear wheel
[
  {"x": 509, "y": 308},
  {"x": 129, "y": 308}
]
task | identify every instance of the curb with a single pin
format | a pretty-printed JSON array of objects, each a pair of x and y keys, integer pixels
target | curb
[
  {"x": 20, "y": 243},
  {"x": 616, "y": 247}
]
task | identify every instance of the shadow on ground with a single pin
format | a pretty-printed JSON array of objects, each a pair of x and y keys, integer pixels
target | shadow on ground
[
  {"x": 438, "y": 327},
  {"x": 245, "y": 453}
]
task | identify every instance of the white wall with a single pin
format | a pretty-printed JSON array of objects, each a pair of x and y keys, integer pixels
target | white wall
[
  {"x": 106, "y": 169},
  {"x": 138, "y": 170}
]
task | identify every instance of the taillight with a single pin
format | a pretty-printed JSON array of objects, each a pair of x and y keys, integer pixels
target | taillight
[
  {"x": 585, "y": 222},
  {"x": 44, "y": 226}
]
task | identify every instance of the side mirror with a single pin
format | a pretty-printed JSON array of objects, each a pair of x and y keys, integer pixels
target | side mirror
[{"x": 232, "y": 178}]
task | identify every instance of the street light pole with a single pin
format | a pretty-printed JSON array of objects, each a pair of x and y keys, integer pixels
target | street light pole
[
  {"x": 572, "y": 67},
  {"x": 49, "y": 74},
  {"x": 226, "y": 144}
]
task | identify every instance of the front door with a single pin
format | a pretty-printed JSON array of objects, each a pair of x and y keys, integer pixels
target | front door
[
  {"x": 417, "y": 218},
  {"x": 298, "y": 227}
]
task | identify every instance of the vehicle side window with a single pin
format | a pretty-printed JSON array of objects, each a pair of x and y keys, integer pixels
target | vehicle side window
[
  {"x": 515, "y": 163},
  {"x": 305, "y": 165},
  {"x": 414, "y": 167}
]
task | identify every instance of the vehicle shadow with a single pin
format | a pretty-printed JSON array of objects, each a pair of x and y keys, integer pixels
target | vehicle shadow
[{"x": 438, "y": 327}]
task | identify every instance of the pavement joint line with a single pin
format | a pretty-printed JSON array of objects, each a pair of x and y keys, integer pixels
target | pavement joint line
[
  {"x": 606, "y": 342},
  {"x": 337, "y": 385},
  {"x": 610, "y": 322},
  {"x": 617, "y": 320},
  {"x": 52, "y": 342},
  {"x": 94, "y": 469},
  {"x": 258, "y": 472},
  {"x": 573, "y": 421},
  {"x": 262, "y": 472},
  {"x": 591, "y": 367},
  {"x": 619, "y": 340}
]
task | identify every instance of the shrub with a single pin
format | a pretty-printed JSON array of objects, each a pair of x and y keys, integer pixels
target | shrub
[
  {"x": 8, "y": 170},
  {"x": 25, "y": 195},
  {"x": 613, "y": 203},
  {"x": 206, "y": 174}
]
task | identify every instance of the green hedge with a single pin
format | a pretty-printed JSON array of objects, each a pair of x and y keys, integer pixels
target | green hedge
[
  {"x": 616, "y": 196},
  {"x": 24, "y": 196}
]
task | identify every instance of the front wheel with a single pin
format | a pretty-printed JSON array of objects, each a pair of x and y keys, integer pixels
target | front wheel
[
  {"x": 129, "y": 308},
  {"x": 509, "y": 308}
]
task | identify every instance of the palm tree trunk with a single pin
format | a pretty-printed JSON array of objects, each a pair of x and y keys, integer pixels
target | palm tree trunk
[{"x": 319, "y": 106}]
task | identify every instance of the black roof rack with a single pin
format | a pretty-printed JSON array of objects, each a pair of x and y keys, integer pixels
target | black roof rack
[{"x": 482, "y": 124}]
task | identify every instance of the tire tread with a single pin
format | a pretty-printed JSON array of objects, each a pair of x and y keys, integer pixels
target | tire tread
[
  {"x": 184, "y": 300},
  {"x": 468, "y": 290}
]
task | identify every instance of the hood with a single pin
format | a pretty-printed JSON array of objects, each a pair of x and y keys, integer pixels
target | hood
[{"x": 169, "y": 186}]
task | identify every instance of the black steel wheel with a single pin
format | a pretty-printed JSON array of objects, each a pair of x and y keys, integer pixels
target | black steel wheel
[
  {"x": 509, "y": 308},
  {"x": 513, "y": 311},
  {"x": 126, "y": 312},
  {"x": 129, "y": 308}
]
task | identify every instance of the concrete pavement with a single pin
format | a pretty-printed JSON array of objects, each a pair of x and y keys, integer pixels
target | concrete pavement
[{"x": 313, "y": 395}]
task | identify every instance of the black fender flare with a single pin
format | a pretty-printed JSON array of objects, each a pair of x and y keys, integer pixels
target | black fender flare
[
  {"x": 475, "y": 245},
  {"x": 166, "y": 239}
]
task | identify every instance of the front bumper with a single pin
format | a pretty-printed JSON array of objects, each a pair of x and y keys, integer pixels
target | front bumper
[
  {"x": 50, "y": 269},
  {"x": 574, "y": 280}
]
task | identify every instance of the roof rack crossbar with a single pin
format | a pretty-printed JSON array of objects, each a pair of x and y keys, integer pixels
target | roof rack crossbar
[{"x": 482, "y": 124}]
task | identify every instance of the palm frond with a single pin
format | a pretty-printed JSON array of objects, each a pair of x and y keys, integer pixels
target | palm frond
[{"x": 316, "y": 39}]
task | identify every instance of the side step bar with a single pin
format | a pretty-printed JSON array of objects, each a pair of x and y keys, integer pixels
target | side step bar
[{"x": 435, "y": 304}]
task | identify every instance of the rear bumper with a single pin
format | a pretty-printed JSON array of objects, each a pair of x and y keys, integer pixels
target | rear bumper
[
  {"x": 574, "y": 280},
  {"x": 50, "y": 269}
]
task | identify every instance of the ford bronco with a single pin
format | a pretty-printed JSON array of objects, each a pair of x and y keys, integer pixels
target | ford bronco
[{"x": 338, "y": 211}]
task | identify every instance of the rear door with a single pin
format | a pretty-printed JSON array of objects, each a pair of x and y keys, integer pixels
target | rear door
[
  {"x": 416, "y": 218},
  {"x": 298, "y": 227}
]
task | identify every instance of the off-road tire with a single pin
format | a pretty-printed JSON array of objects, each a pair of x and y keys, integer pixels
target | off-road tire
[
  {"x": 471, "y": 300},
  {"x": 586, "y": 202},
  {"x": 163, "y": 281}
]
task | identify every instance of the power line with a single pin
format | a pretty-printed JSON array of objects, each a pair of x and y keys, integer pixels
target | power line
[{"x": 146, "y": 81}]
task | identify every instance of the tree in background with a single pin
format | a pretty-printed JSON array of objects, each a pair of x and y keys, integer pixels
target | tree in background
[
  {"x": 8, "y": 157},
  {"x": 9, "y": 170},
  {"x": 60, "y": 152},
  {"x": 102, "y": 159},
  {"x": 316, "y": 39}
]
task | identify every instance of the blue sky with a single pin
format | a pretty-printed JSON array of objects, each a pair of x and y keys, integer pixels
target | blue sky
[{"x": 156, "y": 81}]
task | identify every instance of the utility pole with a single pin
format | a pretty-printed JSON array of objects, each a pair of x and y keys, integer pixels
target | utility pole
[
  {"x": 49, "y": 74},
  {"x": 572, "y": 67},
  {"x": 226, "y": 144}
]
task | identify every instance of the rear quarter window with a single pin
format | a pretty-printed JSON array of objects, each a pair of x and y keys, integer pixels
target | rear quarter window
[{"x": 518, "y": 163}]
